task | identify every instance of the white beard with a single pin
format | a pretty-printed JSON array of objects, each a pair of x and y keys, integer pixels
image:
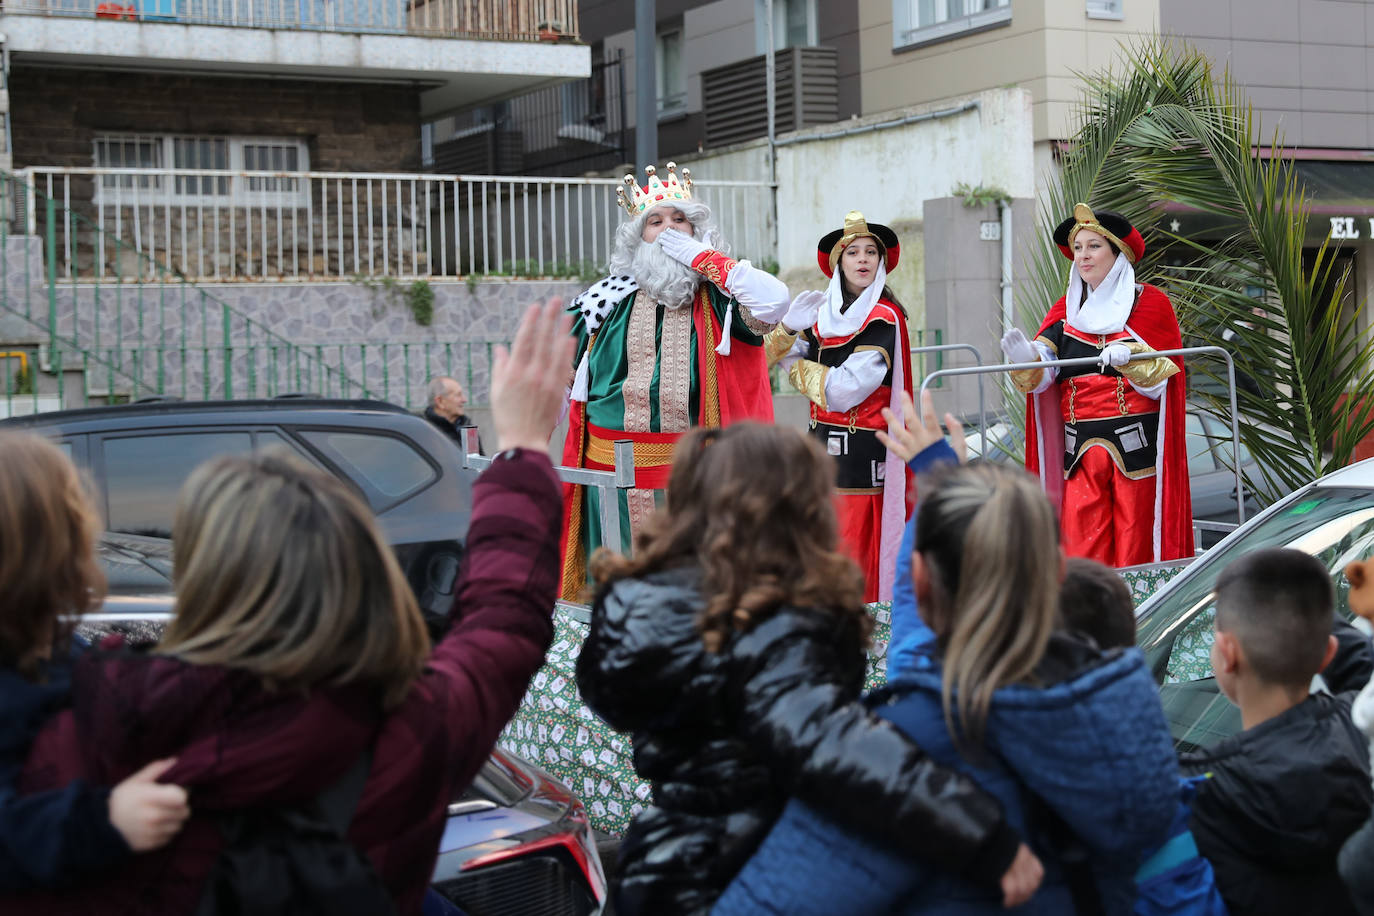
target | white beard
[{"x": 665, "y": 280}]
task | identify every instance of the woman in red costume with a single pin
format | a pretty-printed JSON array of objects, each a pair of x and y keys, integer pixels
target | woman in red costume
[
  {"x": 1108, "y": 440},
  {"x": 847, "y": 350}
]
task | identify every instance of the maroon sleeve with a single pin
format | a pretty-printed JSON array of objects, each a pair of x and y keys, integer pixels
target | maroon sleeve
[{"x": 502, "y": 616}]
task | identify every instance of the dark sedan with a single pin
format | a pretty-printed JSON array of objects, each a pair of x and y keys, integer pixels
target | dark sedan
[{"x": 138, "y": 455}]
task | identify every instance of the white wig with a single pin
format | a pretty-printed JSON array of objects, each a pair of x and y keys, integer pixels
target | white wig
[{"x": 655, "y": 272}]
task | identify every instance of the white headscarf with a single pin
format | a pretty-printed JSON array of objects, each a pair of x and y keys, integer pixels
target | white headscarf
[
  {"x": 1109, "y": 306},
  {"x": 830, "y": 322}
]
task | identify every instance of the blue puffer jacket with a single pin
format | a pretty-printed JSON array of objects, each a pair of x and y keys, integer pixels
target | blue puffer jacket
[{"x": 1093, "y": 745}]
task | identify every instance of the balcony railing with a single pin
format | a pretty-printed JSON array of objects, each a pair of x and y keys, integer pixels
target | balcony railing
[
  {"x": 214, "y": 225},
  {"x": 508, "y": 20},
  {"x": 576, "y": 127}
]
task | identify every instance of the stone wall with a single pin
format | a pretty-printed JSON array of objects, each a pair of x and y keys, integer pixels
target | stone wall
[
  {"x": 57, "y": 114},
  {"x": 326, "y": 338}
]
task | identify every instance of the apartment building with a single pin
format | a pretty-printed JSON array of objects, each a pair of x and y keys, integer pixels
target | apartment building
[{"x": 104, "y": 95}]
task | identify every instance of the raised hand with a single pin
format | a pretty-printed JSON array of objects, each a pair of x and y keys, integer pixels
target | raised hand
[
  {"x": 918, "y": 431},
  {"x": 529, "y": 382},
  {"x": 801, "y": 314},
  {"x": 680, "y": 247},
  {"x": 1017, "y": 348}
]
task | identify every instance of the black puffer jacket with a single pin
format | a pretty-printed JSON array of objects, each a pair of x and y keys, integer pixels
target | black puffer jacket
[
  {"x": 726, "y": 738},
  {"x": 1283, "y": 797}
]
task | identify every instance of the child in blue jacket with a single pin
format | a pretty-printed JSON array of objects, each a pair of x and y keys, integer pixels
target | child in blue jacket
[
  {"x": 48, "y": 572},
  {"x": 992, "y": 686}
]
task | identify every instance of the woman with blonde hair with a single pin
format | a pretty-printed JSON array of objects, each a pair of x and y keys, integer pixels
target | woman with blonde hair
[
  {"x": 731, "y": 647},
  {"x": 48, "y": 575},
  {"x": 1070, "y": 739},
  {"x": 298, "y": 653}
]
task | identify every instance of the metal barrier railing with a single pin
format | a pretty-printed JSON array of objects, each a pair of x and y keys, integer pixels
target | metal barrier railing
[
  {"x": 151, "y": 332},
  {"x": 1219, "y": 352},
  {"x": 978, "y": 359},
  {"x": 606, "y": 483}
]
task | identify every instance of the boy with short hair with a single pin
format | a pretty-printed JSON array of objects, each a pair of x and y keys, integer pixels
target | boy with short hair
[
  {"x": 1095, "y": 601},
  {"x": 1286, "y": 792}
]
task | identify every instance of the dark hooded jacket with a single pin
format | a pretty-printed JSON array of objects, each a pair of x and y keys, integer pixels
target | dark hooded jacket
[
  {"x": 725, "y": 738},
  {"x": 1283, "y": 796},
  {"x": 54, "y": 837}
]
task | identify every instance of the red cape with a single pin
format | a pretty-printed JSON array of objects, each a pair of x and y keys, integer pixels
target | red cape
[
  {"x": 744, "y": 392},
  {"x": 1153, "y": 322}
]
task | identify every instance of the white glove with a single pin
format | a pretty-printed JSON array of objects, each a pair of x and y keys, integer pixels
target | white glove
[
  {"x": 1115, "y": 354},
  {"x": 803, "y": 311},
  {"x": 1017, "y": 349},
  {"x": 680, "y": 247}
]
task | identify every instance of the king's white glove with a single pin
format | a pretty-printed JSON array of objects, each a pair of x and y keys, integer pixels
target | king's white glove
[
  {"x": 801, "y": 314},
  {"x": 680, "y": 247},
  {"x": 1017, "y": 349},
  {"x": 1115, "y": 354}
]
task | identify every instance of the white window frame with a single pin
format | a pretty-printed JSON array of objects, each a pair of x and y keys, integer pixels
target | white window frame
[
  {"x": 676, "y": 104},
  {"x": 155, "y": 188},
  {"x": 1106, "y": 9},
  {"x": 908, "y": 32},
  {"x": 780, "y": 8}
]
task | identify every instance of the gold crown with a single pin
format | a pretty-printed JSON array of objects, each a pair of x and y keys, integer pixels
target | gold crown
[{"x": 655, "y": 192}]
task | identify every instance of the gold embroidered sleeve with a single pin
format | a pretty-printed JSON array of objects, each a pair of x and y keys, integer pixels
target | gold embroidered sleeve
[
  {"x": 1146, "y": 373},
  {"x": 1026, "y": 380},
  {"x": 776, "y": 343},
  {"x": 760, "y": 328},
  {"x": 808, "y": 377}
]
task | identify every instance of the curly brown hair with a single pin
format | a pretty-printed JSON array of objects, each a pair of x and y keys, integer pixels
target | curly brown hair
[
  {"x": 48, "y": 569},
  {"x": 753, "y": 506}
]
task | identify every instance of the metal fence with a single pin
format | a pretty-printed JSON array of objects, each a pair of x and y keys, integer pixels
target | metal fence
[
  {"x": 220, "y": 225},
  {"x": 508, "y": 20},
  {"x": 149, "y": 333}
]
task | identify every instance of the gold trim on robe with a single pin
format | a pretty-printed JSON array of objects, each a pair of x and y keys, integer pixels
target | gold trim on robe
[
  {"x": 808, "y": 377},
  {"x": 1146, "y": 373},
  {"x": 776, "y": 343}
]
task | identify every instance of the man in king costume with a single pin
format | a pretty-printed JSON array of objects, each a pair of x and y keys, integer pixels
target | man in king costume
[{"x": 673, "y": 338}]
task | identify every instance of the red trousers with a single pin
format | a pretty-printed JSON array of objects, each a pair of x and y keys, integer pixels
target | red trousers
[
  {"x": 861, "y": 531},
  {"x": 1107, "y": 516}
]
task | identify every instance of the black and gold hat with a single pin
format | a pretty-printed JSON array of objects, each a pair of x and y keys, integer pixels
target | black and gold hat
[
  {"x": 832, "y": 244},
  {"x": 1105, "y": 223}
]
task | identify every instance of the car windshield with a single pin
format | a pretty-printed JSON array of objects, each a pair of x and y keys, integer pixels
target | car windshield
[{"x": 1336, "y": 525}]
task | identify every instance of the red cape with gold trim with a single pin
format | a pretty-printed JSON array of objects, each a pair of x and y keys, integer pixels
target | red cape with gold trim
[
  {"x": 1153, "y": 322},
  {"x": 743, "y": 391}
]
